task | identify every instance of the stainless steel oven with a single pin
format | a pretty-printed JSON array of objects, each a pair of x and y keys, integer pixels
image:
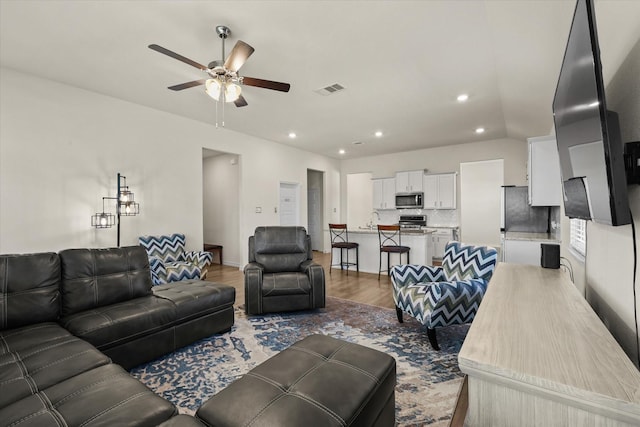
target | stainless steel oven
[
  {"x": 412, "y": 222},
  {"x": 410, "y": 201}
]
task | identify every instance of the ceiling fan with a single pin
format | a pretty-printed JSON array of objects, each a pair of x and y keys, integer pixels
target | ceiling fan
[{"x": 223, "y": 80}]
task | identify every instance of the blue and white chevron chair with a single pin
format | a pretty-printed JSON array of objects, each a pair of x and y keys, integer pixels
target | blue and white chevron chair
[
  {"x": 169, "y": 261},
  {"x": 447, "y": 295}
]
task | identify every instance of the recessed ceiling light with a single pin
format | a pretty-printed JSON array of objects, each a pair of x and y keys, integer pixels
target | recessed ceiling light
[
  {"x": 378, "y": 134},
  {"x": 479, "y": 130},
  {"x": 292, "y": 135},
  {"x": 341, "y": 151},
  {"x": 462, "y": 97}
]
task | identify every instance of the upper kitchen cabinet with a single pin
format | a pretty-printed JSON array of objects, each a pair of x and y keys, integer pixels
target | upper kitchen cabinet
[
  {"x": 545, "y": 184},
  {"x": 439, "y": 191},
  {"x": 409, "y": 181},
  {"x": 384, "y": 193}
]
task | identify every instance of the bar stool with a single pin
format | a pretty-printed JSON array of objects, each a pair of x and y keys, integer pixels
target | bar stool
[
  {"x": 390, "y": 238},
  {"x": 340, "y": 240}
]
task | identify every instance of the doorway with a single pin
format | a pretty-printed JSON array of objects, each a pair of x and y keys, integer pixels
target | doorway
[
  {"x": 221, "y": 203},
  {"x": 289, "y": 203},
  {"x": 315, "y": 208}
]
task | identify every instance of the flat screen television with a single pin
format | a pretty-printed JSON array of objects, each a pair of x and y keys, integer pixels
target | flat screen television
[{"x": 587, "y": 134}]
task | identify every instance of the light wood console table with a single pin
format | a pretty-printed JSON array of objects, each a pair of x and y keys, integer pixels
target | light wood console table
[{"x": 537, "y": 355}]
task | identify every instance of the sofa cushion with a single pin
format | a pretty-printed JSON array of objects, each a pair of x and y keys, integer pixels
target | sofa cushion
[
  {"x": 114, "y": 324},
  {"x": 29, "y": 289},
  {"x": 196, "y": 298},
  {"x": 182, "y": 421},
  {"x": 107, "y": 395},
  {"x": 94, "y": 278},
  {"x": 277, "y": 284},
  {"x": 35, "y": 357}
]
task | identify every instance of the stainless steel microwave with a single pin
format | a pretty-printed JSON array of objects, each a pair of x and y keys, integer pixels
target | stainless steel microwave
[{"x": 410, "y": 201}]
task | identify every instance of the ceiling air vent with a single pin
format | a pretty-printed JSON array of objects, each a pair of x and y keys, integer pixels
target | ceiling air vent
[{"x": 329, "y": 90}]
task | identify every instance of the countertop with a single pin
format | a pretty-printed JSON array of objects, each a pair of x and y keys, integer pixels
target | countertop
[
  {"x": 404, "y": 232},
  {"x": 522, "y": 235}
]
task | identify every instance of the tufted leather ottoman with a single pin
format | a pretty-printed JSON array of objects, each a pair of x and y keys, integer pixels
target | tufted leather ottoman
[{"x": 319, "y": 381}]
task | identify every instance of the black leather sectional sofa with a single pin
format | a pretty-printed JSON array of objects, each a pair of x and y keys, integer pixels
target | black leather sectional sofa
[{"x": 64, "y": 318}]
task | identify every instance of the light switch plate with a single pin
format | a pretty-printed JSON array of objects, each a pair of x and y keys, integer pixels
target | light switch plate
[{"x": 258, "y": 209}]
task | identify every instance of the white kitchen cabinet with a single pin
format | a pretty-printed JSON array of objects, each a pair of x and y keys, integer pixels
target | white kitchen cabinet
[
  {"x": 543, "y": 169},
  {"x": 440, "y": 191},
  {"x": 384, "y": 193},
  {"x": 522, "y": 251},
  {"x": 409, "y": 181},
  {"x": 440, "y": 238}
]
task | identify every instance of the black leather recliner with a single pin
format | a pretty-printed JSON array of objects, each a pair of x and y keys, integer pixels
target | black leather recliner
[{"x": 281, "y": 274}]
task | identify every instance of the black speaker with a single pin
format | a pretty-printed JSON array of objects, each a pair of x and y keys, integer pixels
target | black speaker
[{"x": 550, "y": 255}]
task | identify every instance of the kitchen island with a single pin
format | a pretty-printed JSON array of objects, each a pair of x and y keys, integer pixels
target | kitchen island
[{"x": 418, "y": 240}]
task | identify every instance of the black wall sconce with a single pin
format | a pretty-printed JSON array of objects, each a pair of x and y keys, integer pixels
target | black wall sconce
[{"x": 125, "y": 206}]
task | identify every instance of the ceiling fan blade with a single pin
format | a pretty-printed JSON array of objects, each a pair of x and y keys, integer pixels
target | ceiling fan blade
[
  {"x": 187, "y": 85},
  {"x": 240, "y": 102},
  {"x": 267, "y": 84},
  {"x": 177, "y": 56},
  {"x": 238, "y": 56}
]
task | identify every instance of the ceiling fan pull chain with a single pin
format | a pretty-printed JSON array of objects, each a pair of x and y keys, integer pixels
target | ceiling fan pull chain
[{"x": 216, "y": 114}]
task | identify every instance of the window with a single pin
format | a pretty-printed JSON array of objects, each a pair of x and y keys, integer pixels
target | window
[{"x": 578, "y": 236}]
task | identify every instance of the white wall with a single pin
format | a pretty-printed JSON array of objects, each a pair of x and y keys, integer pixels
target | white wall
[
  {"x": 359, "y": 205},
  {"x": 61, "y": 147},
  {"x": 609, "y": 260},
  {"x": 221, "y": 205},
  {"x": 481, "y": 183}
]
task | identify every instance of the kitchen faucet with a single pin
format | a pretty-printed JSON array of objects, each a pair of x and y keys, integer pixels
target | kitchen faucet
[{"x": 371, "y": 223}]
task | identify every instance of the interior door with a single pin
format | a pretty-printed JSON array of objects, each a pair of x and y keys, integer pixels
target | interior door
[{"x": 289, "y": 205}]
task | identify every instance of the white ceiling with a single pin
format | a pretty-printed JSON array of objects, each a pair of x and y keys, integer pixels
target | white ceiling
[{"x": 402, "y": 62}]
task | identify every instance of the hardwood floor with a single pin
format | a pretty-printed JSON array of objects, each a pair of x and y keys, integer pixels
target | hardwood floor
[{"x": 360, "y": 287}]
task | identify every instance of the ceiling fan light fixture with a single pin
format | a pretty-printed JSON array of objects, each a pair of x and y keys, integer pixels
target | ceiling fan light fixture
[
  {"x": 212, "y": 88},
  {"x": 232, "y": 92}
]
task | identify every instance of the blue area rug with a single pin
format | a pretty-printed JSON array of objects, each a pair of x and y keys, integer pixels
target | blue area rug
[{"x": 427, "y": 380}]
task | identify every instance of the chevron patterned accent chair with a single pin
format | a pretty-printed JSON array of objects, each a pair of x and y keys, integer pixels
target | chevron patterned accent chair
[
  {"x": 446, "y": 295},
  {"x": 169, "y": 261}
]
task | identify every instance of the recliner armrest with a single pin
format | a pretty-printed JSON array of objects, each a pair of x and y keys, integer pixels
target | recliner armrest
[
  {"x": 305, "y": 266},
  {"x": 315, "y": 272},
  {"x": 252, "y": 288},
  {"x": 253, "y": 266}
]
